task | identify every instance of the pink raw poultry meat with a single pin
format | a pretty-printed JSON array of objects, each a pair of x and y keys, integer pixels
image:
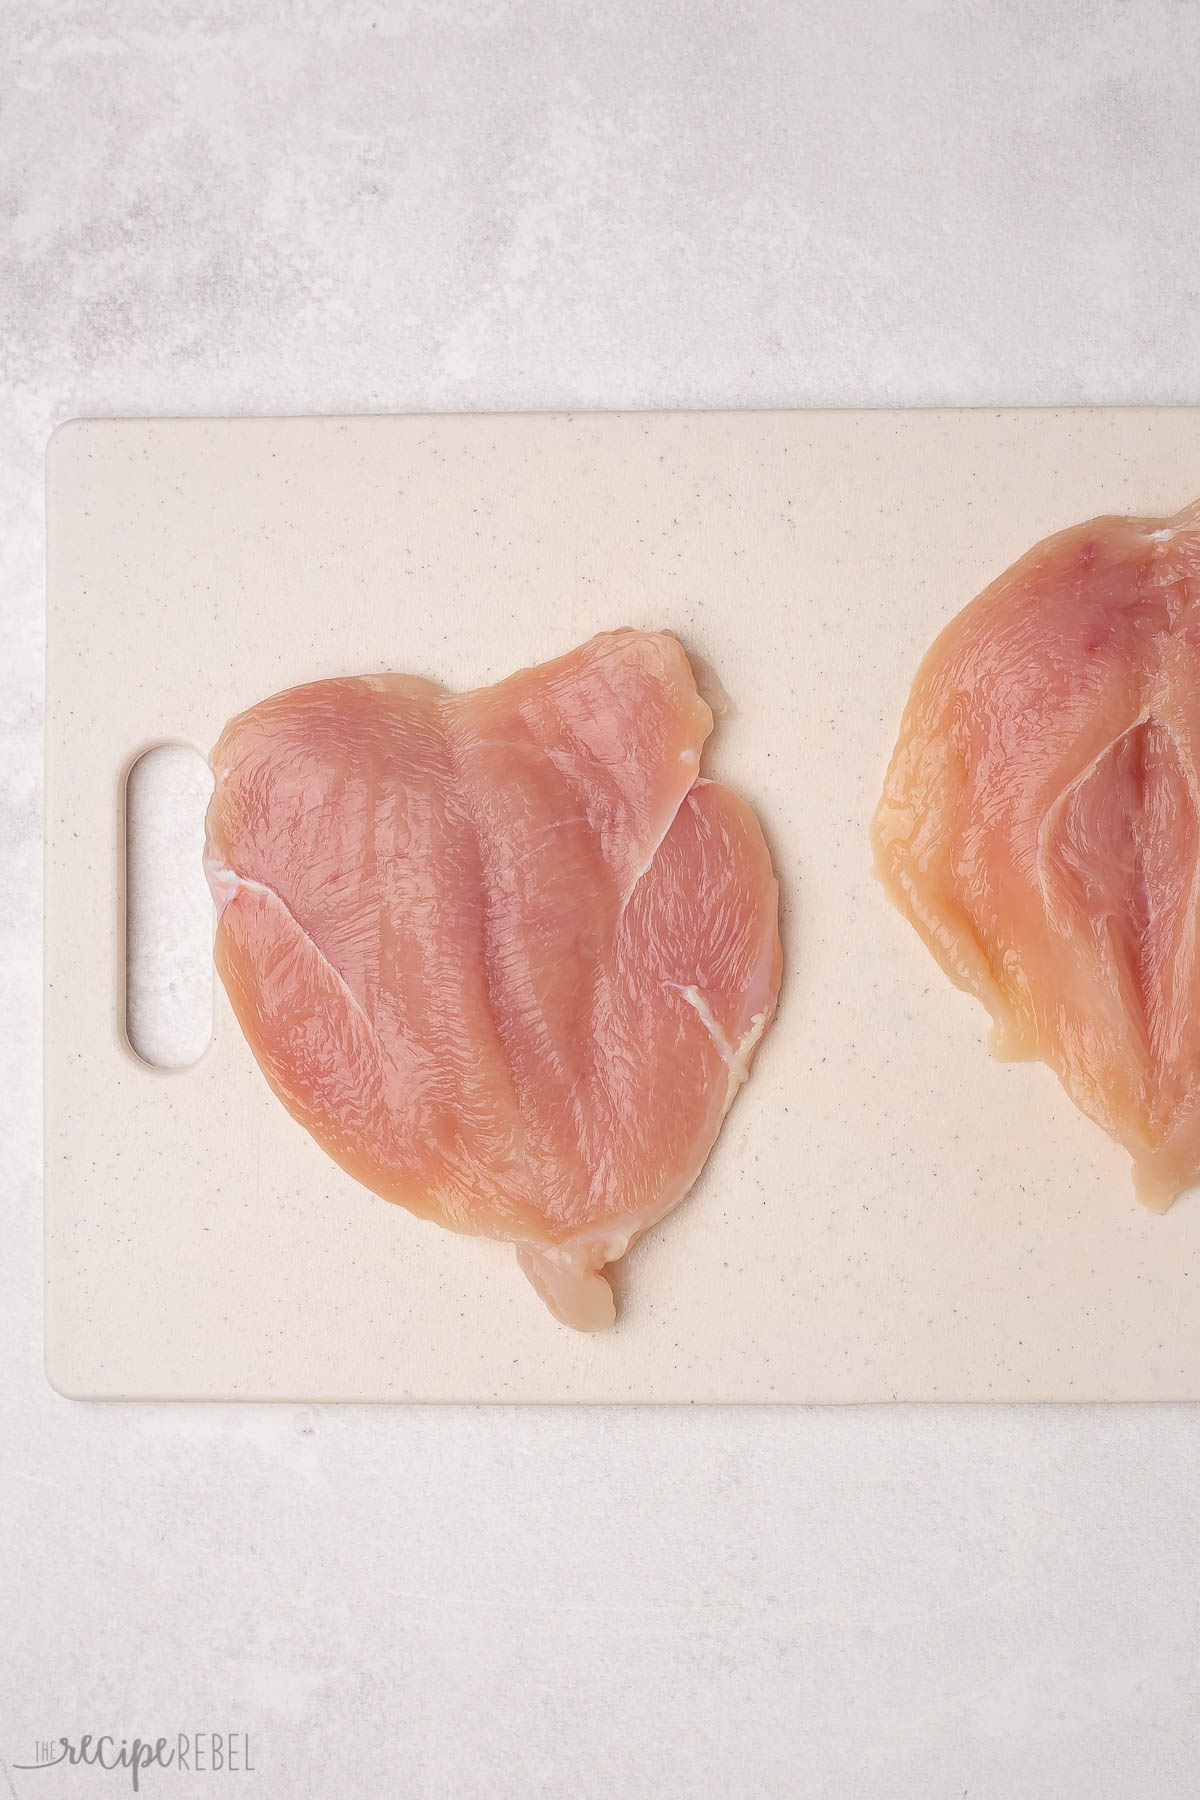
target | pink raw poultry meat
[
  {"x": 1040, "y": 824},
  {"x": 504, "y": 954}
]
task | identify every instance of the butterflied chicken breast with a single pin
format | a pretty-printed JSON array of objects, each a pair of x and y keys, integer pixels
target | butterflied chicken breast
[
  {"x": 1040, "y": 824},
  {"x": 505, "y": 954}
]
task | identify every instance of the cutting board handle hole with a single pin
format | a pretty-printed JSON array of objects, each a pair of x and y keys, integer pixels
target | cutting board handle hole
[{"x": 168, "y": 910}]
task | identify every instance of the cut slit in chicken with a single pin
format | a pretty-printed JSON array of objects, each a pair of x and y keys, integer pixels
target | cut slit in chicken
[
  {"x": 1040, "y": 824},
  {"x": 504, "y": 954}
]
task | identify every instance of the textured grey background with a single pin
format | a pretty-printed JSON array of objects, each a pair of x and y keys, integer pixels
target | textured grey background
[{"x": 283, "y": 207}]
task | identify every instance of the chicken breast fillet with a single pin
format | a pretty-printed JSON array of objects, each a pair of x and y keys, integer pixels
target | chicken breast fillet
[
  {"x": 505, "y": 954},
  {"x": 1040, "y": 824}
]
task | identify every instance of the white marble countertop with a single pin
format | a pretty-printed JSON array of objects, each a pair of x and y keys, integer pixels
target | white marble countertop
[{"x": 302, "y": 206}]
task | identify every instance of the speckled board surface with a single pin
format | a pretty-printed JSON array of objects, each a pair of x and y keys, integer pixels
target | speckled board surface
[{"x": 888, "y": 1214}]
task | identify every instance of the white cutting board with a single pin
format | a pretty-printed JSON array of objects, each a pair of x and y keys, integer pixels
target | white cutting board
[{"x": 888, "y": 1214}]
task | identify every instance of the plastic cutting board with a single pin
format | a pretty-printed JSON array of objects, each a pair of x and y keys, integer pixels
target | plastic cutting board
[{"x": 889, "y": 1214}]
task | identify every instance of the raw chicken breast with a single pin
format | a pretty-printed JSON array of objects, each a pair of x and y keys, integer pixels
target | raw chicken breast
[
  {"x": 504, "y": 954},
  {"x": 1039, "y": 824}
]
